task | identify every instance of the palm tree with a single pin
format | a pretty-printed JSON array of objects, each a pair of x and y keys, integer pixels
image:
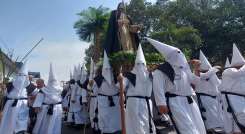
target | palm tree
[{"x": 91, "y": 27}]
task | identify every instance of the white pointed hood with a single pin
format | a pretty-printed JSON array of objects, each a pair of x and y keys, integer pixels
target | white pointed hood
[
  {"x": 83, "y": 73},
  {"x": 227, "y": 63},
  {"x": 205, "y": 65},
  {"x": 107, "y": 70},
  {"x": 140, "y": 68},
  {"x": 140, "y": 58},
  {"x": 92, "y": 69},
  {"x": 172, "y": 54},
  {"x": 75, "y": 73},
  {"x": 237, "y": 58},
  {"x": 20, "y": 82},
  {"x": 71, "y": 76},
  {"x": 53, "y": 84}
]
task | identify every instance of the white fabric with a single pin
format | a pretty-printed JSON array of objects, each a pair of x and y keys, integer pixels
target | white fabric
[
  {"x": 53, "y": 85},
  {"x": 74, "y": 76},
  {"x": 48, "y": 124},
  {"x": 140, "y": 68},
  {"x": 76, "y": 73},
  {"x": 208, "y": 83},
  {"x": 92, "y": 70},
  {"x": 186, "y": 116},
  {"x": 51, "y": 94},
  {"x": 109, "y": 117},
  {"x": 235, "y": 79},
  {"x": 172, "y": 54},
  {"x": 107, "y": 70},
  {"x": 77, "y": 110},
  {"x": 71, "y": 76},
  {"x": 227, "y": 63},
  {"x": 237, "y": 58},
  {"x": 229, "y": 124},
  {"x": 140, "y": 58},
  {"x": 212, "y": 113},
  {"x": 164, "y": 49},
  {"x": 15, "y": 119},
  {"x": 137, "y": 115},
  {"x": 93, "y": 105},
  {"x": 205, "y": 65},
  {"x": 84, "y": 74}
]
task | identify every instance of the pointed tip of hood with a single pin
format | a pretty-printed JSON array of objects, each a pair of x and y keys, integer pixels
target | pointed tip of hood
[
  {"x": 173, "y": 55},
  {"x": 140, "y": 58},
  {"x": 237, "y": 58},
  {"x": 163, "y": 48},
  {"x": 71, "y": 75},
  {"x": 52, "y": 77},
  {"x": 227, "y": 63},
  {"x": 24, "y": 69},
  {"x": 205, "y": 64},
  {"x": 106, "y": 63},
  {"x": 53, "y": 83}
]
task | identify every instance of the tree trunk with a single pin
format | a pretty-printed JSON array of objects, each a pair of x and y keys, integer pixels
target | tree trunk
[{"x": 97, "y": 48}]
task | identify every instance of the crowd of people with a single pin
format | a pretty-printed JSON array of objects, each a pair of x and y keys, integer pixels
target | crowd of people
[{"x": 190, "y": 95}]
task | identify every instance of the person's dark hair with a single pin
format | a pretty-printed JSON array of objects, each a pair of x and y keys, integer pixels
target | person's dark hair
[{"x": 72, "y": 81}]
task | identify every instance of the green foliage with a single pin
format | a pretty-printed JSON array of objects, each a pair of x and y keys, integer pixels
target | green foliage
[
  {"x": 128, "y": 57},
  {"x": 92, "y": 20}
]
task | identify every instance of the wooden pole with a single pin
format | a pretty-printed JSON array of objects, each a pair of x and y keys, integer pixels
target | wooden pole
[{"x": 122, "y": 108}]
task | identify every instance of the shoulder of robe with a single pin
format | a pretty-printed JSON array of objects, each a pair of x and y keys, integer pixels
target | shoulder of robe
[
  {"x": 168, "y": 70},
  {"x": 131, "y": 77},
  {"x": 9, "y": 87},
  {"x": 98, "y": 80},
  {"x": 84, "y": 84},
  {"x": 30, "y": 88}
]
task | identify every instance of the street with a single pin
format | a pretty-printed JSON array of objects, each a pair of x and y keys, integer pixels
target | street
[{"x": 69, "y": 130}]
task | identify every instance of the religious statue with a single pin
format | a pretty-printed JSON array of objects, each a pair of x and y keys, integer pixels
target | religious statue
[{"x": 121, "y": 34}]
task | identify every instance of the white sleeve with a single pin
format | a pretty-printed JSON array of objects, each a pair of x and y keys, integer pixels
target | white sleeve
[
  {"x": 209, "y": 74},
  {"x": 215, "y": 80},
  {"x": 158, "y": 88},
  {"x": 234, "y": 73},
  {"x": 39, "y": 100}
]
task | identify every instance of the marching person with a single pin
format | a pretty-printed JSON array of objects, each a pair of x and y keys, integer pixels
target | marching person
[
  {"x": 233, "y": 94},
  {"x": 31, "y": 98},
  {"x": 48, "y": 106},
  {"x": 91, "y": 89},
  {"x": 107, "y": 99},
  {"x": 138, "y": 88},
  {"x": 207, "y": 95},
  {"x": 174, "y": 79},
  {"x": 16, "y": 111},
  {"x": 76, "y": 114}
]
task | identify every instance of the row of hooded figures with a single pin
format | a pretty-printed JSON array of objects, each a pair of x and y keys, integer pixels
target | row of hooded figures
[{"x": 194, "y": 100}]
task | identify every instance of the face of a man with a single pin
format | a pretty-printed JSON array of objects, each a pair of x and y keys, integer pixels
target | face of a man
[{"x": 40, "y": 83}]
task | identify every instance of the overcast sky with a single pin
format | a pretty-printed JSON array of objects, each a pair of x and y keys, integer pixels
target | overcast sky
[{"x": 24, "y": 22}]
